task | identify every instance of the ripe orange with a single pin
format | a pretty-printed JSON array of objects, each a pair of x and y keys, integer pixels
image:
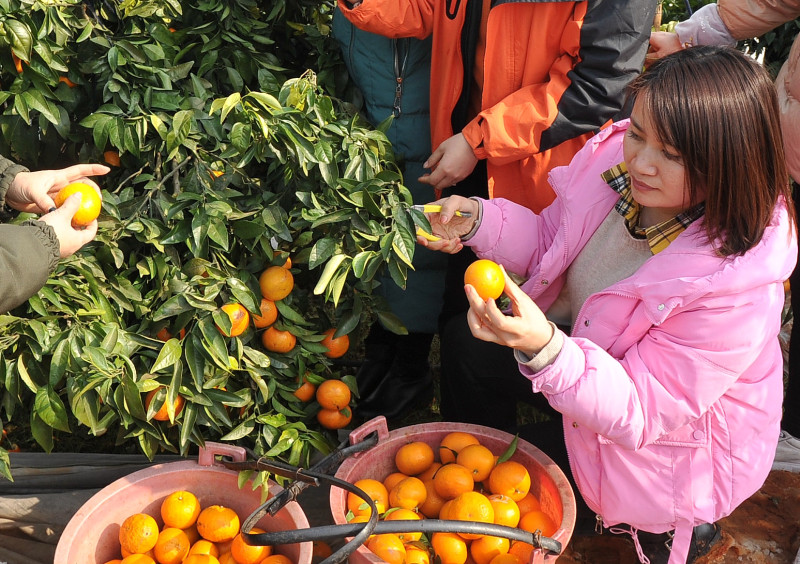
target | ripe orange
[
  {"x": 112, "y": 158},
  {"x": 180, "y": 509},
  {"x": 278, "y": 341},
  {"x": 453, "y": 479},
  {"x": 408, "y": 493},
  {"x": 320, "y": 550},
  {"x": 393, "y": 479},
  {"x": 401, "y": 514},
  {"x": 201, "y": 559},
  {"x": 375, "y": 490},
  {"x": 66, "y": 81},
  {"x": 138, "y": 533},
  {"x": 245, "y": 553},
  {"x": 521, "y": 550},
  {"x": 334, "y": 418},
  {"x": 450, "y": 548},
  {"x": 276, "y": 559},
  {"x": 269, "y": 314},
  {"x": 276, "y": 283},
  {"x": 91, "y": 202},
  {"x": 306, "y": 390},
  {"x": 204, "y": 546},
  {"x": 17, "y": 63},
  {"x": 507, "y": 558},
  {"x": 478, "y": 459},
  {"x": 484, "y": 549},
  {"x": 165, "y": 335},
  {"x": 528, "y": 503},
  {"x": 162, "y": 414},
  {"x": 333, "y": 394},
  {"x": 510, "y": 478},
  {"x": 416, "y": 555},
  {"x": 414, "y": 458},
  {"x": 336, "y": 346},
  {"x": 486, "y": 277},
  {"x": 538, "y": 520},
  {"x": 428, "y": 474},
  {"x": 287, "y": 263},
  {"x": 433, "y": 503},
  {"x": 172, "y": 546},
  {"x": 388, "y": 547},
  {"x": 227, "y": 558},
  {"x": 471, "y": 506},
  {"x": 452, "y": 443},
  {"x": 192, "y": 533},
  {"x": 139, "y": 559},
  {"x": 239, "y": 316},
  {"x": 218, "y": 523},
  {"x": 506, "y": 510}
]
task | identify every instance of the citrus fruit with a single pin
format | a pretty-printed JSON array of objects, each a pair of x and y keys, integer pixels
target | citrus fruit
[
  {"x": 334, "y": 418},
  {"x": 165, "y": 335},
  {"x": 111, "y": 157},
  {"x": 408, "y": 493},
  {"x": 414, "y": 458},
  {"x": 180, "y": 509},
  {"x": 17, "y": 63},
  {"x": 278, "y": 341},
  {"x": 287, "y": 263},
  {"x": 471, "y": 506},
  {"x": 336, "y": 346},
  {"x": 91, "y": 202},
  {"x": 320, "y": 550},
  {"x": 486, "y": 277},
  {"x": 478, "y": 459},
  {"x": 306, "y": 391},
  {"x": 453, "y": 479},
  {"x": 333, "y": 394},
  {"x": 276, "y": 283},
  {"x": 392, "y": 480},
  {"x": 405, "y": 515},
  {"x": 269, "y": 313},
  {"x": 245, "y": 553},
  {"x": 172, "y": 546},
  {"x": 433, "y": 503},
  {"x": 452, "y": 443},
  {"x": 510, "y": 478},
  {"x": 204, "y": 546},
  {"x": 506, "y": 510},
  {"x": 538, "y": 520},
  {"x": 276, "y": 559},
  {"x": 227, "y": 558},
  {"x": 507, "y": 558},
  {"x": 239, "y": 316},
  {"x": 522, "y": 550},
  {"x": 201, "y": 559},
  {"x": 138, "y": 533},
  {"x": 528, "y": 503},
  {"x": 66, "y": 81},
  {"x": 416, "y": 555},
  {"x": 162, "y": 414},
  {"x": 388, "y": 547},
  {"x": 139, "y": 559},
  {"x": 218, "y": 523},
  {"x": 428, "y": 474},
  {"x": 485, "y": 548},
  {"x": 450, "y": 548},
  {"x": 375, "y": 490}
]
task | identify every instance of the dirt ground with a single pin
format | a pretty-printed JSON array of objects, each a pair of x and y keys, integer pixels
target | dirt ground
[{"x": 765, "y": 529}]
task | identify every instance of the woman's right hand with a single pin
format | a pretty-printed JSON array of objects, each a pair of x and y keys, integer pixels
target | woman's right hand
[
  {"x": 450, "y": 227},
  {"x": 70, "y": 239}
]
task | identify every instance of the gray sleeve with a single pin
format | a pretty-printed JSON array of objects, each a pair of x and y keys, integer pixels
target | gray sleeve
[
  {"x": 29, "y": 253},
  {"x": 705, "y": 27},
  {"x": 8, "y": 170}
]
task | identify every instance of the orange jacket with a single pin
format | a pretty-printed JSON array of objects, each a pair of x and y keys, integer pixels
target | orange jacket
[{"x": 555, "y": 73}]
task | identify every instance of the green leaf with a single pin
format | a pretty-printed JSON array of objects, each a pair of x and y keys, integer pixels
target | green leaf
[
  {"x": 170, "y": 354},
  {"x": 328, "y": 272},
  {"x": 50, "y": 408}
]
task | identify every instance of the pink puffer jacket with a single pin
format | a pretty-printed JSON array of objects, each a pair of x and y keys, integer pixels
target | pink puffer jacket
[
  {"x": 743, "y": 19},
  {"x": 671, "y": 383}
]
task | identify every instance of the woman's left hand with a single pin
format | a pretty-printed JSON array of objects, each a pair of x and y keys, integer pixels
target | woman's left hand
[
  {"x": 526, "y": 329},
  {"x": 34, "y": 191}
]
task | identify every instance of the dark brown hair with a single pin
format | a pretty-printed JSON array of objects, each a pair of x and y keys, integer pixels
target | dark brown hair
[{"x": 718, "y": 109}]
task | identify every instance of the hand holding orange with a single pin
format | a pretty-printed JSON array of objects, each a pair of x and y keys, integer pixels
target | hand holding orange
[
  {"x": 486, "y": 277},
  {"x": 91, "y": 202}
]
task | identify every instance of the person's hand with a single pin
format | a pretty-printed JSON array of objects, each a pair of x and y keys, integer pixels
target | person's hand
[
  {"x": 70, "y": 239},
  {"x": 451, "y": 162},
  {"x": 663, "y": 43},
  {"x": 34, "y": 191},
  {"x": 448, "y": 226},
  {"x": 526, "y": 329}
]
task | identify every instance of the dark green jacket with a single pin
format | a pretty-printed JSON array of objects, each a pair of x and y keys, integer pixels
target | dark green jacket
[
  {"x": 29, "y": 252},
  {"x": 371, "y": 62}
]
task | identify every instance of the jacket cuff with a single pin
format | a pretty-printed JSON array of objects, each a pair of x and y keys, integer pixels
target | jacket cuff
[
  {"x": 544, "y": 357},
  {"x": 8, "y": 170},
  {"x": 478, "y": 220},
  {"x": 47, "y": 235},
  {"x": 705, "y": 27}
]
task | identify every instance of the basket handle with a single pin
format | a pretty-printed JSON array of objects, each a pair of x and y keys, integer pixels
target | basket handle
[
  {"x": 376, "y": 424},
  {"x": 208, "y": 452}
]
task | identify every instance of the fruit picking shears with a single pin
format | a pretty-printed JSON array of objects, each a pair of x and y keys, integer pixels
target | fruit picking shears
[{"x": 436, "y": 208}]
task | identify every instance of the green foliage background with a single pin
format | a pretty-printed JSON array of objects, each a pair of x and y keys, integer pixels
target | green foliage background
[{"x": 230, "y": 150}]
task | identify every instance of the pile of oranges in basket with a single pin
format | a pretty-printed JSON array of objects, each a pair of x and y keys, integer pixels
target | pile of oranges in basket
[
  {"x": 190, "y": 534},
  {"x": 460, "y": 480}
]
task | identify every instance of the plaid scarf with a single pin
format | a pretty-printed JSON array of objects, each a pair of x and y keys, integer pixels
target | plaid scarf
[{"x": 658, "y": 236}]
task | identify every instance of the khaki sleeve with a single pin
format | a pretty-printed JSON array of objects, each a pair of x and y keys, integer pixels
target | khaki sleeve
[{"x": 29, "y": 253}]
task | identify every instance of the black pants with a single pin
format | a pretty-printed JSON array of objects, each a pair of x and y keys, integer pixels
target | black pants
[{"x": 791, "y": 401}]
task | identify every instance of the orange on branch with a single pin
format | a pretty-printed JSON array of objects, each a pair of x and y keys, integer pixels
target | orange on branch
[
  {"x": 333, "y": 394},
  {"x": 17, "y": 63},
  {"x": 165, "y": 335},
  {"x": 486, "y": 277},
  {"x": 163, "y": 414},
  {"x": 269, "y": 314},
  {"x": 67, "y": 81},
  {"x": 239, "y": 316},
  {"x": 306, "y": 390},
  {"x": 91, "y": 202},
  {"x": 336, "y": 346},
  {"x": 276, "y": 283},
  {"x": 278, "y": 341},
  {"x": 334, "y": 418}
]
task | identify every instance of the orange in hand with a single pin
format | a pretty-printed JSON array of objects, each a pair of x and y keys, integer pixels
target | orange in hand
[
  {"x": 486, "y": 277},
  {"x": 91, "y": 202}
]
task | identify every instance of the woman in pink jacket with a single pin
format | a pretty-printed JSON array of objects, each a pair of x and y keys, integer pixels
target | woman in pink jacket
[{"x": 665, "y": 251}]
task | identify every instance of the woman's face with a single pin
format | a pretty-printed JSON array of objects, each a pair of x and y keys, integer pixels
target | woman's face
[{"x": 658, "y": 177}]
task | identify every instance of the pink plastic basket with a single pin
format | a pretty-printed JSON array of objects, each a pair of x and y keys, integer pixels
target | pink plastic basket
[
  {"x": 548, "y": 482},
  {"x": 92, "y": 535}
]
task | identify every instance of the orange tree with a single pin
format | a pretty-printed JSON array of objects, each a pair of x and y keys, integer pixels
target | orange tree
[{"x": 233, "y": 154}]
